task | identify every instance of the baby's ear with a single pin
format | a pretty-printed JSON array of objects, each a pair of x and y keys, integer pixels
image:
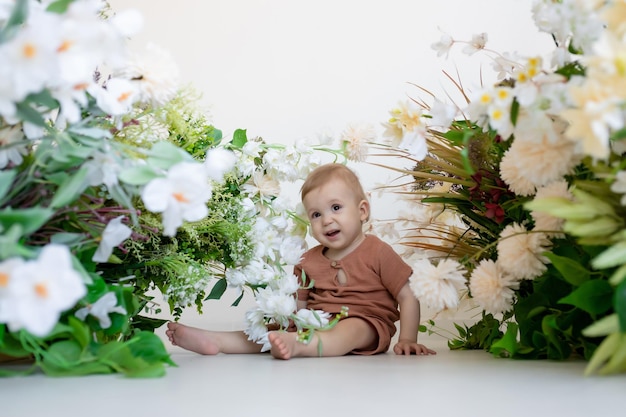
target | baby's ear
[{"x": 364, "y": 209}]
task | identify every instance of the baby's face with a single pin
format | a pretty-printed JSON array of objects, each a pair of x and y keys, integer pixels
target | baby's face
[{"x": 336, "y": 216}]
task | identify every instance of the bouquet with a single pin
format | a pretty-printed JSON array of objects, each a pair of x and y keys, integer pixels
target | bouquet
[
  {"x": 114, "y": 187},
  {"x": 517, "y": 194}
]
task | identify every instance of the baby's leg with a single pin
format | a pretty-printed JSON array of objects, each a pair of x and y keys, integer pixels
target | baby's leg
[
  {"x": 208, "y": 342},
  {"x": 347, "y": 335}
]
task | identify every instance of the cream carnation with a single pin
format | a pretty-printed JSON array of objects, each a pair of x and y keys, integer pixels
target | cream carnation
[
  {"x": 538, "y": 157},
  {"x": 492, "y": 290},
  {"x": 520, "y": 252},
  {"x": 355, "y": 139},
  {"x": 437, "y": 286},
  {"x": 514, "y": 177}
]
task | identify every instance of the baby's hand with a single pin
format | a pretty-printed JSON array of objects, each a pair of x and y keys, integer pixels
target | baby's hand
[{"x": 404, "y": 347}]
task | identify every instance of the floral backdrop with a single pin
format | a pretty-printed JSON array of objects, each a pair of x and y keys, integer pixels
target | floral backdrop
[
  {"x": 517, "y": 193},
  {"x": 114, "y": 186}
]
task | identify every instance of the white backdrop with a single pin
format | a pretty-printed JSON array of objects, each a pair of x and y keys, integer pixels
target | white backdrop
[{"x": 288, "y": 69}]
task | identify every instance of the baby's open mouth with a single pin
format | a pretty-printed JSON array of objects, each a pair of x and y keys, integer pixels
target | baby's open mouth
[{"x": 332, "y": 233}]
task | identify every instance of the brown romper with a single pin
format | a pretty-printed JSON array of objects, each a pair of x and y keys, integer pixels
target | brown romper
[{"x": 374, "y": 273}]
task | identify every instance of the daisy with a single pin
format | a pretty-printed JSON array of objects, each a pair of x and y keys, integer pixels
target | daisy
[
  {"x": 492, "y": 290},
  {"x": 443, "y": 45},
  {"x": 520, "y": 253}
]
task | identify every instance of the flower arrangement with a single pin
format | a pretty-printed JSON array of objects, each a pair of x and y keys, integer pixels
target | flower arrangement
[
  {"x": 517, "y": 196},
  {"x": 114, "y": 185}
]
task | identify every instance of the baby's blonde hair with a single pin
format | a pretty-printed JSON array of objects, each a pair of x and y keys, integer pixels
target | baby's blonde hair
[{"x": 325, "y": 173}]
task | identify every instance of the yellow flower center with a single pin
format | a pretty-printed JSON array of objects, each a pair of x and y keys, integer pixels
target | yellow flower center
[
  {"x": 4, "y": 279},
  {"x": 180, "y": 197},
  {"x": 65, "y": 46},
  {"x": 41, "y": 290},
  {"x": 29, "y": 50},
  {"x": 123, "y": 97}
]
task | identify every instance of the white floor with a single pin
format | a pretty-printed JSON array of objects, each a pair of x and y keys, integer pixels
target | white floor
[{"x": 452, "y": 383}]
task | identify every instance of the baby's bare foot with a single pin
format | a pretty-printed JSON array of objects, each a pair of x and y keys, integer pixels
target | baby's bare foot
[
  {"x": 284, "y": 345},
  {"x": 193, "y": 339}
]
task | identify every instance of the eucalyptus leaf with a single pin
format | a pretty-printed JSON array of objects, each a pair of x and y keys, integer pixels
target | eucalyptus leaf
[
  {"x": 138, "y": 175},
  {"x": 70, "y": 190},
  {"x": 165, "y": 154},
  {"x": 29, "y": 219},
  {"x": 6, "y": 180}
]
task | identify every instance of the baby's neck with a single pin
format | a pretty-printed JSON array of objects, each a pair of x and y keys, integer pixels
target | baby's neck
[{"x": 336, "y": 255}]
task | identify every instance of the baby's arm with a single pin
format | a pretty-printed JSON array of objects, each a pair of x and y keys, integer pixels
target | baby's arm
[{"x": 409, "y": 325}]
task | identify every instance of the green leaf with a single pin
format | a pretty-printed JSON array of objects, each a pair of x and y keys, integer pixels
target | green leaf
[
  {"x": 239, "y": 138},
  {"x": 594, "y": 297},
  {"x": 218, "y": 290},
  {"x": 29, "y": 114},
  {"x": 6, "y": 180},
  {"x": 29, "y": 219},
  {"x": 165, "y": 154},
  {"x": 619, "y": 304},
  {"x": 571, "y": 271},
  {"x": 17, "y": 18},
  {"x": 70, "y": 189},
  {"x": 59, "y": 6},
  {"x": 138, "y": 175},
  {"x": 150, "y": 348},
  {"x": 507, "y": 345}
]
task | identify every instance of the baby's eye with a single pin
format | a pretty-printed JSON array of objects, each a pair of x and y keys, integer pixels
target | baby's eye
[
  {"x": 336, "y": 207},
  {"x": 315, "y": 215}
]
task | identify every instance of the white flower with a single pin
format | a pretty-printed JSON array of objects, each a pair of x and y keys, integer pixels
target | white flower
[
  {"x": 101, "y": 309},
  {"x": 155, "y": 75},
  {"x": 476, "y": 44},
  {"x": 443, "y": 45},
  {"x": 437, "y": 286},
  {"x": 442, "y": 114},
  {"x": 219, "y": 161},
  {"x": 491, "y": 289},
  {"x": 262, "y": 185},
  {"x": 12, "y": 146},
  {"x": 181, "y": 195},
  {"x": 7, "y": 268},
  {"x": 291, "y": 249},
  {"x": 276, "y": 304},
  {"x": 117, "y": 97},
  {"x": 415, "y": 144},
  {"x": 313, "y": 318},
  {"x": 114, "y": 233},
  {"x": 40, "y": 290}
]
